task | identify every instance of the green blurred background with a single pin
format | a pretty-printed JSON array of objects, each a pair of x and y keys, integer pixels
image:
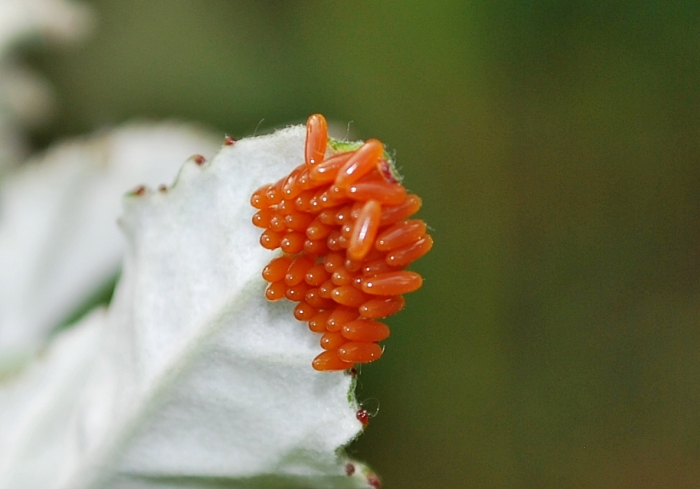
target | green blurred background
[{"x": 556, "y": 147}]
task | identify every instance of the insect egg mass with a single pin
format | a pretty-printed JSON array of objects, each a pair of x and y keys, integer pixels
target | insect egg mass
[{"x": 341, "y": 221}]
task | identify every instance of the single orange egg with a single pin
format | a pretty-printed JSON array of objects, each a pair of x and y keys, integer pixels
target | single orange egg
[
  {"x": 392, "y": 283},
  {"x": 329, "y": 361},
  {"x": 364, "y": 231},
  {"x": 358, "y": 352},
  {"x": 316, "y": 140},
  {"x": 400, "y": 234},
  {"x": 365, "y": 331},
  {"x": 360, "y": 164}
]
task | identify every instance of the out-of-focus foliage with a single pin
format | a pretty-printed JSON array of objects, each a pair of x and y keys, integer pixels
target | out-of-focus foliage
[
  {"x": 555, "y": 145},
  {"x": 25, "y": 97}
]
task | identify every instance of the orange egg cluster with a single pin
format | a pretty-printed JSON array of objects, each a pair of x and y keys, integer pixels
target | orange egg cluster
[{"x": 342, "y": 225}]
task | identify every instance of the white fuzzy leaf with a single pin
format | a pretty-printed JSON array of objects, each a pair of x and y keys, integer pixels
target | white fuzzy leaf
[
  {"x": 58, "y": 238},
  {"x": 196, "y": 380},
  {"x": 36, "y": 406}
]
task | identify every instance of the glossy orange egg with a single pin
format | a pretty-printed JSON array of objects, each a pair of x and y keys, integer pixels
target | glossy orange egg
[
  {"x": 381, "y": 308},
  {"x": 359, "y": 352},
  {"x": 329, "y": 361},
  {"x": 408, "y": 254},
  {"x": 392, "y": 283},
  {"x": 317, "y": 324},
  {"x": 400, "y": 234},
  {"x": 316, "y": 275},
  {"x": 360, "y": 164},
  {"x": 296, "y": 272},
  {"x": 316, "y": 140},
  {"x": 365, "y": 331},
  {"x": 364, "y": 230},
  {"x": 340, "y": 316},
  {"x": 275, "y": 291},
  {"x": 383, "y": 192},
  {"x": 277, "y": 269},
  {"x": 304, "y": 311}
]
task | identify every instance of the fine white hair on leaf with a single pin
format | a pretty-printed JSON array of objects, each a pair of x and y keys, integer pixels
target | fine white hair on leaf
[{"x": 58, "y": 235}]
